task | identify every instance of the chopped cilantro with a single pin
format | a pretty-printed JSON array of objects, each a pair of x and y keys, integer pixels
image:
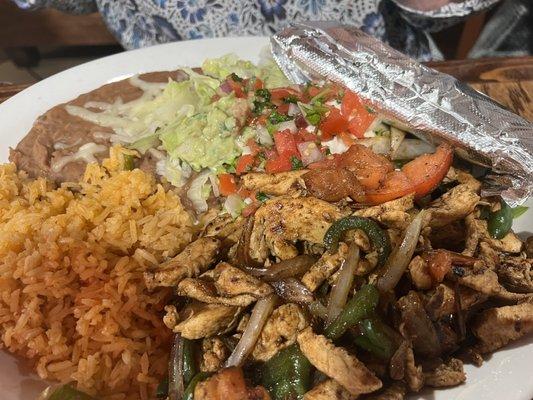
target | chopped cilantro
[
  {"x": 291, "y": 99},
  {"x": 234, "y": 77},
  {"x": 262, "y": 101},
  {"x": 296, "y": 163},
  {"x": 275, "y": 118},
  {"x": 261, "y": 196},
  {"x": 313, "y": 112},
  {"x": 263, "y": 94}
]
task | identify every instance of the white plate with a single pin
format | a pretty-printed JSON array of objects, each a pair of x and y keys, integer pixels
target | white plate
[{"x": 507, "y": 375}]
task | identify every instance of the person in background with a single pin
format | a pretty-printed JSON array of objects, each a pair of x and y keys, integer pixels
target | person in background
[{"x": 403, "y": 24}]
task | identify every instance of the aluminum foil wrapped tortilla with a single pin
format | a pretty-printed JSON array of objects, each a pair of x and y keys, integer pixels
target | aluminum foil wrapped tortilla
[{"x": 430, "y": 104}]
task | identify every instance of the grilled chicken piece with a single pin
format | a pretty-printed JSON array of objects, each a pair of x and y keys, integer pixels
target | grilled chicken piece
[
  {"x": 417, "y": 327},
  {"x": 279, "y": 184},
  {"x": 446, "y": 374},
  {"x": 396, "y": 391},
  {"x": 441, "y": 303},
  {"x": 280, "y": 331},
  {"x": 325, "y": 267},
  {"x": 333, "y": 184},
  {"x": 516, "y": 273},
  {"x": 476, "y": 231},
  {"x": 225, "y": 285},
  {"x": 192, "y": 261},
  {"x": 328, "y": 390},
  {"x": 402, "y": 366},
  {"x": 454, "y": 205},
  {"x": 392, "y": 213},
  {"x": 484, "y": 280},
  {"x": 337, "y": 363},
  {"x": 466, "y": 178},
  {"x": 214, "y": 353},
  {"x": 199, "y": 320},
  {"x": 418, "y": 270},
  {"x": 225, "y": 228},
  {"x": 228, "y": 384},
  {"x": 498, "y": 326},
  {"x": 280, "y": 222}
]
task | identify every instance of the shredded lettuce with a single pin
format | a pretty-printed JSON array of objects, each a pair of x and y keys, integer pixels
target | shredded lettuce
[{"x": 223, "y": 66}]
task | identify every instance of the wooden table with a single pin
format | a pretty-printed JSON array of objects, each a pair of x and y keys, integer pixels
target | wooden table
[{"x": 507, "y": 80}]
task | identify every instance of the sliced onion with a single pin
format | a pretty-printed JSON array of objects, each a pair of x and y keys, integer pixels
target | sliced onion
[
  {"x": 290, "y": 125},
  {"x": 401, "y": 256},
  {"x": 176, "y": 386},
  {"x": 293, "y": 267},
  {"x": 260, "y": 313},
  {"x": 335, "y": 145},
  {"x": 317, "y": 309},
  {"x": 378, "y": 144},
  {"x": 214, "y": 184},
  {"x": 263, "y": 137},
  {"x": 412, "y": 148},
  {"x": 310, "y": 152},
  {"x": 341, "y": 288},
  {"x": 293, "y": 291},
  {"x": 242, "y": 253},
  {"x": 396, "y": 138},
  {"x": 293, "y": 110},
  {"x": 376, "y": 125},
  {"x": 234, "y": 205}
]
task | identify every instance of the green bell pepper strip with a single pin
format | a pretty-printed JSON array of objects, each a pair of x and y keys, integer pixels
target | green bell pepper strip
[
  {"x": 379, "y": 239},
  {"x": 360, "y": 306},
  {"x": 374, "y": 339},
  {"x": 500, "y": 222},
  {"x": 287, "y": 375},
  {"x": 199, "y": 377},
  {"x": 67, "y": 392},
  {"x": 189, "y": 363}
]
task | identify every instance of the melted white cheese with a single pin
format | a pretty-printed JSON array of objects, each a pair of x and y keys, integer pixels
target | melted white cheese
[{"x": 85, "y": 153}]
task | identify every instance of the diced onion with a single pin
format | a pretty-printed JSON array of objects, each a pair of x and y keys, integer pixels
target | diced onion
[
  {"x": 310, "y": 152},
  {"x": 401, "y": 256},
  {"x": 341, "y": 288},
  {"x": 378, "y": 144},
  {"x": 263, "y": 137},
  {"x": 290, "y": 125},
  {"x": 335, "y": 145},
  {"x": 234, "y": 205},
  {"x": 260, "y": 313},
  {"x": 293, "y": 110}
]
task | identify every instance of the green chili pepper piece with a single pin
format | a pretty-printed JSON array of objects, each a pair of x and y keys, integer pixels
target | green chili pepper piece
[
  {"x": 379, "y": 239},
  {"x": 129, "y": 163},
  {"x": 358, "y": 307},
  {"x": 189, "y": 364},
  {"x": 189, "y": 391},
  {"x": 500, "y": 222},
  {"x": 374, "y": 339},
  {"x": 161, "y": 391},
  {"x": 67, "y": 392},
  {"x": 287, "y": 375}
]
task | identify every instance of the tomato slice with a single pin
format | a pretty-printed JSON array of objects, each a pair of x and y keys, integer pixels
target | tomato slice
[
  {"x": 286, "y": 143},
  {"x": 227, "y": 185},
  {"x": 427, "y": 171},
  {"x": 244, "y": 163},
  {"x": 394, "y": 186},
  {"x": 333, "y": 124},
  {"x": 369, "y": 168}
]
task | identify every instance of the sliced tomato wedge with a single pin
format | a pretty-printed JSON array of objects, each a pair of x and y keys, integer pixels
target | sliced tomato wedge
[
  {"x": 279, "y": 163},
  {"x": 427, "y": 171},
  {"x": 394, "y": 186},
  {"x": 369, "y": 168},
  {"x": 333, "y": 124},
  {"x": 244, "y": 163},
  {"x": 226, "y": 184},
  {"x": 286, "y": 143}
]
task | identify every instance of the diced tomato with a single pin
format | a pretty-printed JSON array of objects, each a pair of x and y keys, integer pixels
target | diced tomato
[
  {"x": 258, "y": 84},
  {"x": 333, "y": 124},
  {"x": 244, "y": 163},
  {"x": 280, "y": 163},
  {"x": 427, "y": 171},
  {"x": 253, "y": 146},
  {"x": 286, "y": 143},
  {"x": 283, "y": 108},
  {"x": 439, "y": 264},
  {"x": 369, "y": 168},
  {"x": 279, "y": 94},
  {"x": 357, "y": 114},
  {"x": 261, "y": 120},
  {"x": 237, "y": 88},
  {"x": 244, "y": 193},
  {"x": 394, "y": 186},
  {"x": 304, "y": 136},
  {"x": 226, "y": 184},
  {"x": 313, "y": 91}
]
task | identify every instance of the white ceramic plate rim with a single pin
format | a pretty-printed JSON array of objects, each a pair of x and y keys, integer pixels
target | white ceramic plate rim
[{"x": 506, "y": 375}]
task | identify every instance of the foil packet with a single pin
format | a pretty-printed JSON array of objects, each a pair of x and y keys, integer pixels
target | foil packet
[{"x": 434, "y": 106}]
